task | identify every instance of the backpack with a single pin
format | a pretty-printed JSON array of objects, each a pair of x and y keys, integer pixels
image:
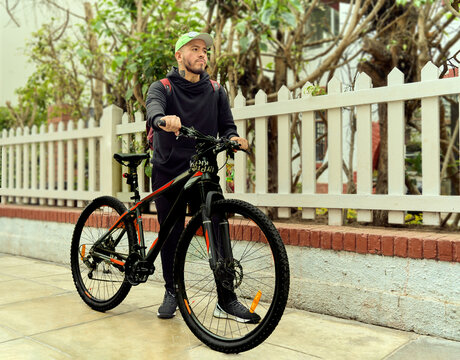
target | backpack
[{"x": 167, "y": 85}]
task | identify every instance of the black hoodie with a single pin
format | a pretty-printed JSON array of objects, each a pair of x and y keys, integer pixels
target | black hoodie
[{"x": 196, "y": 104}]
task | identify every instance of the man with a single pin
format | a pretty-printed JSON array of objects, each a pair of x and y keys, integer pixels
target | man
[{"x": 191, "y": 99}]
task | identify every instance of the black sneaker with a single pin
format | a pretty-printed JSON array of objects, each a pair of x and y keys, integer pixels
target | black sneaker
[
  {"x": 234, "y": 310},
  {"x": 167, "y": 310}
]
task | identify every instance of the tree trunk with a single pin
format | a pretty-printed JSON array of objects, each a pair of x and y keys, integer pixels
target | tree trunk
[{"x": 98, "y": 88}]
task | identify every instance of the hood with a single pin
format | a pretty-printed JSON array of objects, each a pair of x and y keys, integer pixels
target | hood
[{"x": 186, "y": 85}]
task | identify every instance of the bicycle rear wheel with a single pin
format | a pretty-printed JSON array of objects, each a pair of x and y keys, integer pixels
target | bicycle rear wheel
[
  {"x": 98, "y": 266},
  {"x": 259, "y": 275}
]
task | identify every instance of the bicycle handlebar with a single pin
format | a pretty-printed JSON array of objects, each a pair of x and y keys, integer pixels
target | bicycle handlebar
[{"x": 190, "y": 132}]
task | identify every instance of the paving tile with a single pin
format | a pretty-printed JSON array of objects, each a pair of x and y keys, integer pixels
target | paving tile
[
  {"x": 27, "y": 349},
  {"x": 10, "y": 260},
  {"x": 5, "y": 277},
  {"x": 428, "y": 348},
  {"x": 330, "y": 338},
  {"x": 33, "y": 269},
  {"x": 7, "y": 334},
  {"x": 135, "y": 335},
  {"x": 148, "y": 294},
  {"x": 24, "y": 290},
  {"x": 61, "y": 281},
  {"x": 49, "y": 313},
  {"x": 264, "y": 351}
]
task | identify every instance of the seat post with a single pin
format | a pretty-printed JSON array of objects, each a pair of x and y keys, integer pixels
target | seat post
[{"x": 132, "y": 180}]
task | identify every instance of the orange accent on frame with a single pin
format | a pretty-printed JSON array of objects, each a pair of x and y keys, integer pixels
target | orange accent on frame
[
  {"x": 136, "y": 224},
  {"x": 255, "y": 302},
  {"x": 152, "y": 194},
  {"x": 151, "y": 247},
  {"x": 115, "y": 261},
  {"x": 188, "y": 307},
  {"x": 207, "y": 240},
  {"x": 118, "y": 225}
]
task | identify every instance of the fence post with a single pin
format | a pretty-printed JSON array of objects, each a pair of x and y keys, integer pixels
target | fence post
[
  {"x": 80, "y": 162},
  {"x": 60, "y": 164},
  {"x": 42, "y": 161},
  {"x": 334, "y": 149},
  {"x": 51, "y": 165},
  {"x": 110, "y": 144},
  {"x": 431, "y": 184},
  {"x": 261, "y": 150},
  {"x": 284, "y": 151},
  {"x": 240, "y": 157},
  {"x": 26, "y": 162},
  {"x": 4, "y": 165},
  {"x": 34, "y": 165},
  {"x": 18, "y": 167},
  {"x": 364, "y": 146},
  {"x": 70, "y": 162},
  {"x": 308, "y": 147},
  {"x": 396, "y": 156}
]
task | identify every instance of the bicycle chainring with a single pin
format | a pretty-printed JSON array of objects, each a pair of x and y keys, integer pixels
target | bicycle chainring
[{"x": 137, "y": 270}]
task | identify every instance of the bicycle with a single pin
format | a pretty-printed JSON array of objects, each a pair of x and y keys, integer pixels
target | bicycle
[{"x": 109, "y": 256}]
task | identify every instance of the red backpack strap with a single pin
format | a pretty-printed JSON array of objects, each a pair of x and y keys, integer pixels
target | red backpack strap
[
  {"x": 215, "y": 85},
  {"x": 167, "y": 84}
]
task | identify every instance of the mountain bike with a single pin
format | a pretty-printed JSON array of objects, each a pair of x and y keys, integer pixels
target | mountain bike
[{"x": 227, "y": 246}]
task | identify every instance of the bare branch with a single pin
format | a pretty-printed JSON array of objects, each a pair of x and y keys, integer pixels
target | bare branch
[{"x": 10, "y": 13}]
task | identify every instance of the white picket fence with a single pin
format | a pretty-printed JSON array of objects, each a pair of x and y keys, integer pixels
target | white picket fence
[{"x": 74, "y": 165}]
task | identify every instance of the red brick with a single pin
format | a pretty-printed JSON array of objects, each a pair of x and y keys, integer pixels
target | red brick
[
  {"x": 456, "y": 251},
  {"x": 429, "y": 249},
  {"x": 374, "y": 244},
  {"x": 387, "y": 243},
  {"x": 337, "y": 241},
  {"x": 445, "y": 250},
  {"x": 247, "y": 236},
  {"x": 304, "y": 237},
  {"x": 401, "y": 246},
  {"x": 235, "y": 231},
  {"x": 415, "y": 250},
  {"x": 147, "y": 223},
  {"x": 257, "y": 234},
  {"x": 361, "y": 243},
  {"x": 284, "y": 235},
  {"x": 349, "y": 242},
  {"x": 315, "y": 240},
  {"x": 294, "y": 237},
  {"x": 326, "y": 239}
]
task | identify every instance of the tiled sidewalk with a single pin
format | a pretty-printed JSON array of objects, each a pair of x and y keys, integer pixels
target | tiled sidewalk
[{"x": 42, "y": 317}]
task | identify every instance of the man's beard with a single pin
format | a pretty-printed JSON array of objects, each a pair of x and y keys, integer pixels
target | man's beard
[{"x": 189, "y": 68}]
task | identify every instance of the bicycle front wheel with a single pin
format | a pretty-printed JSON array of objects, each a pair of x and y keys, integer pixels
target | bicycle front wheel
[
  {"x": 98, "y": 263},
  {"x": 258, "y": 271}
]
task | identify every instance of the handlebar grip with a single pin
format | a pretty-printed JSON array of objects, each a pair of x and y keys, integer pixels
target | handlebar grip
[{"x": 161, "y": 123}]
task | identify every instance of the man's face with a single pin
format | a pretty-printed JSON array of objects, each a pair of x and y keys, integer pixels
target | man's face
[{"x": 194, "y": 56}]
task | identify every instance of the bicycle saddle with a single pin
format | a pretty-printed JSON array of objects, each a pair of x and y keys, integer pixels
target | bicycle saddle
[{"x": 130, "y": 160}]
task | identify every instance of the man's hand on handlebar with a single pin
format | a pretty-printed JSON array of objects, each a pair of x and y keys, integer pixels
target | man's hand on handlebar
[
  {"x": 170, "y": 123},
  {"x": 242, "y": 141}
]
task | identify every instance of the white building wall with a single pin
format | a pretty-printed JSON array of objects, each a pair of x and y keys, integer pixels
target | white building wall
[{"x": 14, "y": 66}]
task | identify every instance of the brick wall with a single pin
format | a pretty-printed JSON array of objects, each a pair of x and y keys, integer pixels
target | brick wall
[{"x": 364, "y": 240}]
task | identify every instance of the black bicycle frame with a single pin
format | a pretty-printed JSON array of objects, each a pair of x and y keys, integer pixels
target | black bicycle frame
[{"x": 180, "y": 184}]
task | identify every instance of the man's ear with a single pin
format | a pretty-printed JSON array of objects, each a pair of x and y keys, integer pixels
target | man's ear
[{"x": 178, "y": 56}]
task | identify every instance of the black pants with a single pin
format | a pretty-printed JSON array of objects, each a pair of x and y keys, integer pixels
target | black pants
[{"x": 163, "y": 205}]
